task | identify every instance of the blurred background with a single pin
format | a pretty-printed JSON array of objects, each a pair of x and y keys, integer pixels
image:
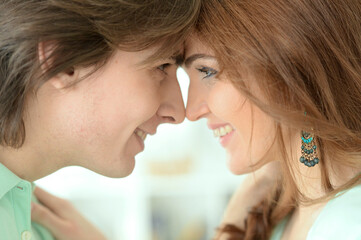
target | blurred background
[{"x": 177, "y": 191}]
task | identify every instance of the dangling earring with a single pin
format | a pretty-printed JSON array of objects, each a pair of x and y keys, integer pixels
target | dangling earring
[{"x": 308, "y": 149}]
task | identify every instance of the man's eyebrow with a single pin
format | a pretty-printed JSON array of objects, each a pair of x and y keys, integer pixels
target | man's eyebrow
[
  {"x": 194, "y": 57},
  {"x": 178, "y": 58}
]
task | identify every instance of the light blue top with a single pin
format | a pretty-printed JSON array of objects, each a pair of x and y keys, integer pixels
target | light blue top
[
  {"x": 16, "y": 196},
  {"x": 340, "y": 219}
]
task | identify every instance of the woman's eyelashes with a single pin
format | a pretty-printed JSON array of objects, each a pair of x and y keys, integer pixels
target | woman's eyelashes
[{"x": 207, "y": 72}]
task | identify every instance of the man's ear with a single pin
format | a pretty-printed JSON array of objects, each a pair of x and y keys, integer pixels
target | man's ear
[{"x": 61, "y": 80}]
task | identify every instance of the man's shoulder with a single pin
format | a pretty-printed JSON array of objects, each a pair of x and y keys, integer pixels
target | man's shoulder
[{"x": 8, "y": 226}]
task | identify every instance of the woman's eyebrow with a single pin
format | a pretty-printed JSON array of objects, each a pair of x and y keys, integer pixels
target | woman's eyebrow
[{"x": 194, "y": 57}]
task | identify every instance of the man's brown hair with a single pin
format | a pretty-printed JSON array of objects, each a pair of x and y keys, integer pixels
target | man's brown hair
[{"x": 85, "y": 33}]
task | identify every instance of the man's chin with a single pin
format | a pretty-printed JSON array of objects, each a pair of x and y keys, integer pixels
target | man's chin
[{"x": 117, "y": 170}]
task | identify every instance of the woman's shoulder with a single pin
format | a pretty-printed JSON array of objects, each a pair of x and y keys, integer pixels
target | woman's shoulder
[{"x": 340, "y": 218}]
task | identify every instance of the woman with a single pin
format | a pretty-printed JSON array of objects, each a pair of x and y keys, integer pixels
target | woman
[
  {"x": 82, "y": 83},
  {"x": 280, "y": 85}
]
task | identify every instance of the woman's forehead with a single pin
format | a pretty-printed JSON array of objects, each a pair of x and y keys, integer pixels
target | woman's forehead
[{"x": 194, "y": 45}]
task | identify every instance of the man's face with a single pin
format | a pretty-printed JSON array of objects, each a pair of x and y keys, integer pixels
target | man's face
[{"x": 100, "y": 123}]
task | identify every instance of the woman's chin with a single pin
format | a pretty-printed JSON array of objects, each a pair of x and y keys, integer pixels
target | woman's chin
[{"x": 237, "y": 166}]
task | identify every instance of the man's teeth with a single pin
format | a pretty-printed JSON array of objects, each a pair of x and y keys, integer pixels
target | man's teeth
[
  {"x": 141, "y": 134},
  {"x": 222, "y": 131}
]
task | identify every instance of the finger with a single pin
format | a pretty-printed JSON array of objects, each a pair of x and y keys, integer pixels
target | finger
[
  {"x": 43, "y": 216},
  {"x": 57, "y": 205}
]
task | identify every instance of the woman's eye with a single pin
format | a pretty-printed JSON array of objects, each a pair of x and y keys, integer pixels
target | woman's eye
[
  {"x": 163, "y": 67},
  {"x": 208, "y": 72}
]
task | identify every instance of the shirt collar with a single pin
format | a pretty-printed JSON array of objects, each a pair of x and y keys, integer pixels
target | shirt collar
[{"x": 8, "y": 180}]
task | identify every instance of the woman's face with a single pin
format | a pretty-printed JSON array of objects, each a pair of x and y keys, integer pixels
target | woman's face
[
  {"x": 242, "y": 128},
  {"x": 101, "y": 122}
]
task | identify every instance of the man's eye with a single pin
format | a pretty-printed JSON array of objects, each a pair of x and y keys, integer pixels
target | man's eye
[
  {"x": 164, "y": 66},
  {"x": 208, "y": 72}
]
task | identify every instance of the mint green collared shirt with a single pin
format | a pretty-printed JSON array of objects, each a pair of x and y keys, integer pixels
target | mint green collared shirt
[
  {"x": 16, "y": 196},
  {"x": 339, "y": 219}
]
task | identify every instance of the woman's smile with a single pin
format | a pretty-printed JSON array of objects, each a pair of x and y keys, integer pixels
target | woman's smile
[{"x": 223, "y": 132}]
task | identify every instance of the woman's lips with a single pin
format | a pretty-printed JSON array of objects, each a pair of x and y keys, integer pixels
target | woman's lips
[
  {"x": 224, "y": 132},
  {"x": 226, "y": 139}
]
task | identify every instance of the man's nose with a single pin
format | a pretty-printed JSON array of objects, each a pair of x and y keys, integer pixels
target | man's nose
[{"x": 172, "y": 108}]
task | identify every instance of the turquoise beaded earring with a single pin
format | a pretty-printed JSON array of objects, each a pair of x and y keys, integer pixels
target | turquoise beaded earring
[{"x": 308, "y": 149}]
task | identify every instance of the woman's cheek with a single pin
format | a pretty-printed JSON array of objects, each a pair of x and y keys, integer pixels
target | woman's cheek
[{"x": 225, "y": 100}]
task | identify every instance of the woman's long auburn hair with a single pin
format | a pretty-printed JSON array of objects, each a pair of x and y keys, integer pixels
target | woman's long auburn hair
[{"x": 305, "y": 56}]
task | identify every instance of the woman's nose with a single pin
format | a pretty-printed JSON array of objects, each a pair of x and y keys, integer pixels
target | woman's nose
[{"x": 197, "y": 107}]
